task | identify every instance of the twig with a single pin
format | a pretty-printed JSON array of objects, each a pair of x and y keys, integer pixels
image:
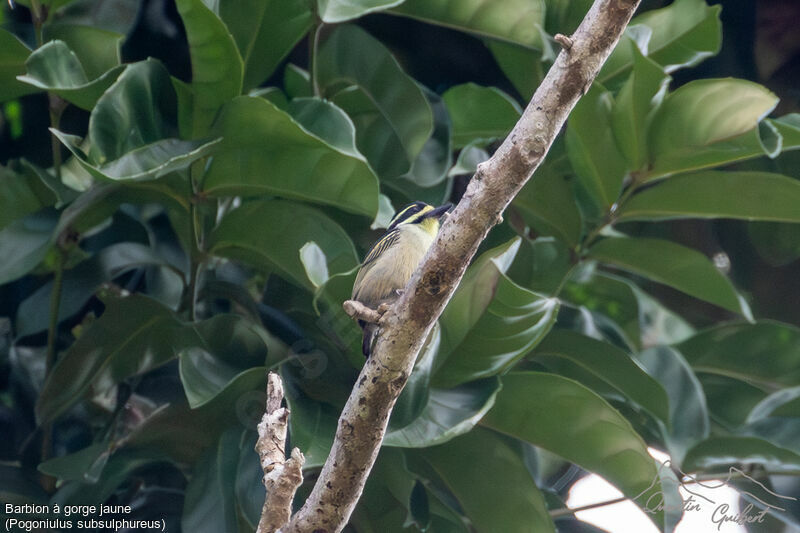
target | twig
[
  {"x": 359, "y": 311},
  {"x": 563, "y": 40},
  {"x": 281, "y": 476},
  {"x": 406, "y": 325}
]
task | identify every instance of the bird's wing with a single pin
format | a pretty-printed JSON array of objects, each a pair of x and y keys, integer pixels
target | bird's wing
[{"x": 388, "y": 239}]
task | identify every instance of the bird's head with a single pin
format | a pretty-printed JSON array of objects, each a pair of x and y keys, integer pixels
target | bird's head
[{"x": 425, "y": 215}]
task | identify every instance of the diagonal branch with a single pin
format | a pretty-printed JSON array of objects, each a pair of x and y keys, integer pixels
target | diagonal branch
[{"x": 406, "y": 325}]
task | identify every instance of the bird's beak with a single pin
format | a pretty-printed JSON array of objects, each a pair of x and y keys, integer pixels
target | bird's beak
[{"x": 439, "y": 211}]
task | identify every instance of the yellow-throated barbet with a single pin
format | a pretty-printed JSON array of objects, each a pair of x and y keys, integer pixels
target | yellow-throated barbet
[{"x": 393, "y": 259}]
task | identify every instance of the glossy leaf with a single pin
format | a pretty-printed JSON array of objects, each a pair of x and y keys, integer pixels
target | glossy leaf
[
  {"x": 591, "y": 147},
  {"x": 290, "y": 224},
  {"x": 718, "y": 194},
  {"x": 785, "y": 402},
  {"x": 314, "y": 263},
  {"x": 680, "y": 35},
  {"x": 148, "y": 162},
  {"x": 669, "y": 263},
  {"x": 388, "y": 108},
  {"x": 81, "y": 282},
  {"x": 217, "y": 68},
  {"x": 23, "y": 194},
  {"x": 480, "y": 114},
  {"x": 474, "y": 293},
  {"x": 311, "y": 427},
  {"x": 610, "y": 364},
  {"x": 522, "y": 66},
  {"x": 765, "y": 352},
  {"x": 564, "y": 417},
  {"x": 415, "y": 395},
  {"x": 139, "y": 109},
  {"x": 210, "y": 495},
  {"x": 97, "y": 49},
  {"x": 265, "y": 33},
  {"x": 54, "y": 67},
  {"x": 702, "y": 113},
  {"x": 514, "y": 322},
  {"x": 24, "y": 244},
  {"x": 135, "y": 334},
  {"x": 265, "y": 151},
  {"x": 547, "y": 202},
  {"x": 731, "y": 450},
  {"x": 431, "y": 165},
  {"x": 637, "y": 98},
  {"x": 729, "y": 400},
  {"x": 327, "y": 122},
  {"x": 13, "y": 55},
  {"x": 496, "y": 492},
  {"x": 515, "y": 21},
  {"x": 688, "y": 414},
  {"x": 334, "y": 11},
  {"x": 448, "y": 413}
]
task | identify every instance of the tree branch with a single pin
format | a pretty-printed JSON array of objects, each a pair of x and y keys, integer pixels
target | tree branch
[
  {"x": 406, "y": 325},
  {"x": 281, "y": 477}
]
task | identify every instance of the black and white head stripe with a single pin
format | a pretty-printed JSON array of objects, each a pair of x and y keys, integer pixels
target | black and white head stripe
[{"x": 408, "y": 213}]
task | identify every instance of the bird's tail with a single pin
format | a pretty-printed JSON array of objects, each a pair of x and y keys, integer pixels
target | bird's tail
[{"x": 370, "y": 330}]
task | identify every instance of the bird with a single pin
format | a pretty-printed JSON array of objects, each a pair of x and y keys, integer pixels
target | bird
[{"x": 393, "y": 258}]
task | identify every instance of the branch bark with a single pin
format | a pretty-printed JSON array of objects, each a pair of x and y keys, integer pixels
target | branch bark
[
  {"x": 281, "y": 477},
  {"x": 406, "y": 325}
]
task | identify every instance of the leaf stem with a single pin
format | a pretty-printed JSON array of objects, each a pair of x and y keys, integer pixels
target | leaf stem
[
  {"x": 313, "y": 52},
  {"x": 566, "y": 511},
  {"x": 57, "y": 106}
]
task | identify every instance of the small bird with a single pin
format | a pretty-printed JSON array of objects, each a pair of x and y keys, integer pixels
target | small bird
[{"x": 393, "y": 259}]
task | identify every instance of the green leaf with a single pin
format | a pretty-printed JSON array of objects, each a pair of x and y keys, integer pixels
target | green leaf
[
  {"x": 97, "y": 49},
  {"x": 24, "y": 244},
  {"x": 334, "y": 11},
  {"x": 431, "y": 165},
  {"x": 718, "y": 194},
  {"x": 480, "y": 114},
  {"x": 684, "y": 33},
  {"x": 728, "y": 450},
  {"x": 448, "y": 413},
  {"x": 680, "y": 35},
  {"x": 777, "y": 243},
  {"x": 496, "y": 492},
  {"x": 314, "y": 263},
  {"x": 250, "y": 491},
  {"x": 475, "y": 293},
  {"x": 54, "y": 67},
  {"x": 210, "y": 495},
  {"x": 785, "y": 402},
  {"x": 610, "y": 364},
  {"x": 389, "y": 109},
  {"x": 265, "y": 151},
  {"x": 286, "y": 222},
  {"x": 82, "y": 281},
  {"x": 135, "y": 334},
  {"x": 594, "y": 154},
  {"x": 416, "y": 394},
  {"x": 137, "y": 110},
  {"x": 23, "y": 194},
  {"x": 522, "y": 66},
  {"x": 701, "y": 114},
  {"x": 516, "y": 21},
  {"x": 688, "y": 414},
  {"x": 216, "y": 63},
  {"x": 564, "y": 417},
  {"x": 729, "y": 400},
  {"x": 547, "y": 202},
  {"x": 669, "y": 263},
  {"x": 312, "y": 426},
  {"x": 763, "y": 353},
  {"x": 146, "y": 163},
  {"x": 265, "y": 33},
  {"x": 13, "y": 55},
  {"x": 513, "y": 323},
  {"x": 297, "y": 82},
  {"x": 327, "y": 122},
  {"x": 640, "y": 94}
]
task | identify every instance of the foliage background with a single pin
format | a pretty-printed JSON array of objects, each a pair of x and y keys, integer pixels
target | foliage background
[{"x": 642, "y": 290}]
